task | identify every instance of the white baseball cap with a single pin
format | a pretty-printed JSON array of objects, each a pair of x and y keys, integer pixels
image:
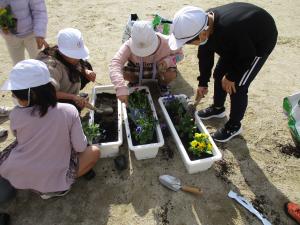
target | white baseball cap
[
  {"x": 70, "y": 43},
  {"x": 188, "y": 22},
  {"x": 144, "y": 40},
  {"x": 27, "y": 74}
]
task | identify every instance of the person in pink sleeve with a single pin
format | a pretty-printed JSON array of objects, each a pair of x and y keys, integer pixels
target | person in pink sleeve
[
  {"x": 51, "y": 150},
  {"x": 148, "y": 56}
]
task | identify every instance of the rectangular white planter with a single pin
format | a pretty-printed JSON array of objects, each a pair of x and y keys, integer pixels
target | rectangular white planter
[
  {"x": 148, "y": 150},
  {"x": 108, "y": 149},
  {"x": 195, "y": 165}
]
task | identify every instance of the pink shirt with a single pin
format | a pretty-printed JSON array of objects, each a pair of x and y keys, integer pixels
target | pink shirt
[
  {"x": 124, "y": 54},
  {"x": 41, "y": 159}
]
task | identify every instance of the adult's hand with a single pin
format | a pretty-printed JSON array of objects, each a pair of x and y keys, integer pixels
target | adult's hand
[
  {"x": 123, "y": 99},
  {"x": 228, "y": 86},
  {"x": 201, "y": 92},
  {"x": 79, "y": 101},
  {"x": 90, "y": 75},
  {"x": 40, "y": 41}
]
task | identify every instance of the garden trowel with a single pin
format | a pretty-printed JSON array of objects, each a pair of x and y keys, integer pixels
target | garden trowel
[
  {"x": 174, "y": 184},
  {"x": 103, "y": 109},
  {"x": 248, "y": 206}
]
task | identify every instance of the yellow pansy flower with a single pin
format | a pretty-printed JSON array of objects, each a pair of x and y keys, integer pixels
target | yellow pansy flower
[
  {"x": 2, "y": 11},
  {"x": 194, "y": 144}
]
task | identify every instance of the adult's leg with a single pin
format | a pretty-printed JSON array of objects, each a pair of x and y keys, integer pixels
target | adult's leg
[
  {"x": 88, "y": 159},
  {"x": 15, "y": 47},
  {"x": 239, "y": 100},
  {"x": 31, "y": 46}
]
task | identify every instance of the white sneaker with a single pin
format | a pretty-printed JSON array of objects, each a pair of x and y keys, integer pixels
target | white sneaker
[
  {"x": 3, "y": 132},
  {"x": 48, "y": 195},
  {"x": 4, "y": 111}
]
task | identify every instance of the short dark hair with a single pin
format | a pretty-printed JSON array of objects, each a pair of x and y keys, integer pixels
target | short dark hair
[
  {"x": 41, "y": 97},
  {"x": 194, "y": 39}
]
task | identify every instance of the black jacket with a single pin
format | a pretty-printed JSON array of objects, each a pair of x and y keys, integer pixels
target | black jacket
[{"x": 241, "y": 32}]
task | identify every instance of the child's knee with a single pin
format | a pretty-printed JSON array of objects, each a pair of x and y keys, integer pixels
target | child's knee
[{"x": 96, "y": 152}]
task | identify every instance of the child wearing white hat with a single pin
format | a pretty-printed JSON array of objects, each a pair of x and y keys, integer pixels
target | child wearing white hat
[
  {"x": 148, "y": 56},
  {"x": 51, "y": 148},
  {"x": 68, "y": 66},
  {"x": 243, "y": 35}
]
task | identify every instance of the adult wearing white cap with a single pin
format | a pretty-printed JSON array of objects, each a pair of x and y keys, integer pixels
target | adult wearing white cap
[
  {"x": 51, "y": 150},
  {"x": 148, "y": 56},
  {"x": 68, "y": 66},
  {"x": 243, "y": 35}
]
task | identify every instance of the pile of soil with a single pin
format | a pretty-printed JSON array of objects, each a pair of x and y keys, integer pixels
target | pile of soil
[
  {"x": 108, "y": 123},
  {"x": 289, "y": 150},
  {"x": 223, "y": 170}
]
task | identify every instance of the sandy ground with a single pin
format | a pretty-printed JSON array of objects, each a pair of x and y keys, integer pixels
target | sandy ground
[{"x": 253, "y": 165}]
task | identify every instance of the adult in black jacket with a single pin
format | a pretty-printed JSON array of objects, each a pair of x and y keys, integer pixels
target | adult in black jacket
[{"x": 243, "y": 35}]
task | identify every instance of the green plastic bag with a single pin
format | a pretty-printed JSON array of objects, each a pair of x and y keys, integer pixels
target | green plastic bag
[
  {"x": 291, "y": 107},
  {"x": 161, "y": 25},
  {"x": 290, "y": 102}
]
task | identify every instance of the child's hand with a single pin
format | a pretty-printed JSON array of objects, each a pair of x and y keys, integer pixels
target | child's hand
[
  {"x": 162, "y": 67},
  {"x": 90, "y": 75},
  {"x": 79, "y": 101},
  {"x": 123, "y": 99}
]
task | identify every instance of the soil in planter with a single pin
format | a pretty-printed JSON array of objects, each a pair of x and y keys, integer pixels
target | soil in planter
[
  {"x": 107, "y": 122},
  {"x": 185, "y": 140}
]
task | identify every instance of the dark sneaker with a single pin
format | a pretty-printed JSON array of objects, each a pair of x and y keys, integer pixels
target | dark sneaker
[
  {"x": 212, "y": 112},
  {"x": 54, "y": 194},
  {"x": 293, "y": 210},
  {"x": 164, "y": 90},
  {"x": 4, "y": 219},
  {"x": 89, "y": 175},
  {"x": 224, "y": 134}
]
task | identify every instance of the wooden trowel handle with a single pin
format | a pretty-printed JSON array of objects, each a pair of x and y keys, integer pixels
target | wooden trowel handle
[
  {"x": 193, "y": 190},
  {"x": 89, "y": 106}
]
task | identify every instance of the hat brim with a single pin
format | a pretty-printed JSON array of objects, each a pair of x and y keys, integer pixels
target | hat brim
[
  {"x": 175, "y": 44},
  {"x": 82, "y": 53},
  {"x": 143, "y": 52},
  {"x": 6, "y": 86}
]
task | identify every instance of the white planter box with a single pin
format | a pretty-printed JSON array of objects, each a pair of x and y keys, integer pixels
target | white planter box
[
  {"x": 148, "y": 150},
  {"x": 195, "y": 165},
  {"x": 108, "y": 149}
]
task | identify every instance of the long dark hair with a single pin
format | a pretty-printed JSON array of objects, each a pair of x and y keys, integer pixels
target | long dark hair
[
  {"x": 75, "y": 74},
  {"x": 41, "y": 97}
]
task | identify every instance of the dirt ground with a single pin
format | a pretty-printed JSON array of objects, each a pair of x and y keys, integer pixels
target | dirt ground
[{"x": 254, "y": 165}]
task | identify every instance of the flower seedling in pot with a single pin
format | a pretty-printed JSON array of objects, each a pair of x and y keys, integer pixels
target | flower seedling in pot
[{"x": 142, "y": 123}]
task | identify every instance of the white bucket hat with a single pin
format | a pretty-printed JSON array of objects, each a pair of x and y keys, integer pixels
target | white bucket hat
[
  {"x": 70, "y": 43},
  {"x": 188, "y": 22},
  {"x": 27, "y": 74},
  {"x": 144, "y": 40}
]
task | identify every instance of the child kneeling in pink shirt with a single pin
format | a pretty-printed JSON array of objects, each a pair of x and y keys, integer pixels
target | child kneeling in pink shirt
[
  {"x": 148, "y": 56},
  {"x": 51, "y": 150}
]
